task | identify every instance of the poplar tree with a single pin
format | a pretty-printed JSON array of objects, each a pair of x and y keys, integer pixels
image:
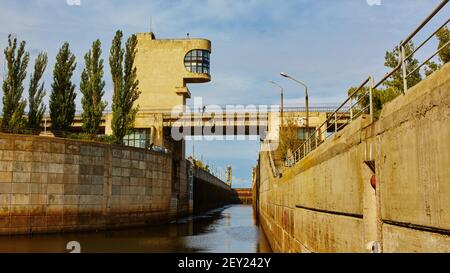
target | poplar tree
[
  {"x": 126, "y": 85},
  {"x": 62, "y": 98},
  {"x": 443, "y": 37},
  {"x": 13, "y": 105},
  {"x": 36, "y": 93},
  {"x": 92, "y": 87},
  {"x": 393, "y": 85}
]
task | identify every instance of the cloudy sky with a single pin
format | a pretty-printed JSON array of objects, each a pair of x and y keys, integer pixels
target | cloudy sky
[{"x": 329, "y": 44}]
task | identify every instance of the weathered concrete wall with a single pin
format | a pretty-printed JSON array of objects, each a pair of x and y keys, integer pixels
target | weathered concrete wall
[
  {"x": 56, "y": 185},
  {"x": 209, "y": 191},
  {"x": 317, "y": 206},
  {"x": 242, "y": 196},
  {"x": 326, "y": 203},
  {"x": 182, "y": 194},
  {"x": 413, "y": 167}
]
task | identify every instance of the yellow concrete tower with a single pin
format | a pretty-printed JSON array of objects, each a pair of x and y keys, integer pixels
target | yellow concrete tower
[{"x": 164, "y": 68}]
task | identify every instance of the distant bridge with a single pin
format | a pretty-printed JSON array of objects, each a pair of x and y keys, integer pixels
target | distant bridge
[{"x": 239, "y": 121}]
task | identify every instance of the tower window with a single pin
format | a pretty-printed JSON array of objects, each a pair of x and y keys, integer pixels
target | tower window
[
  {"x": 197, "y": 61},
  {"x": 139, "y": 138}
]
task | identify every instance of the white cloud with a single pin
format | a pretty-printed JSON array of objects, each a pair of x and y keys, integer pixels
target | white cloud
[
  {"x": 73, "y": 2},
  {"x": 374, "y": 2}
]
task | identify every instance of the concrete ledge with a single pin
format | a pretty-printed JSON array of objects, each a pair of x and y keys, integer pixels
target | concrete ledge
[
  {"x": 405, "y": 240},
  {"x": 325, "y": 232}
]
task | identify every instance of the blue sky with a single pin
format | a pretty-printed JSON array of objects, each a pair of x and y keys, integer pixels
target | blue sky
[{"x": 329, "y": 44}]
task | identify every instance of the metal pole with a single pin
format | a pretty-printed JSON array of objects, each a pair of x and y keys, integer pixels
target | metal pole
[
  {"x": 282, "y": 108},
  {"x": 307, "y": 111},
  {"x": 371, "y": 98},
  {"x": 306, "y": 99},
  {"x": 335, "y": 123},
  {"x": 405, "y": 82},
  {"x": 425, "y": 22},
  {"x": 316, "y": 137},
  {"x": 282, "y": 101}
]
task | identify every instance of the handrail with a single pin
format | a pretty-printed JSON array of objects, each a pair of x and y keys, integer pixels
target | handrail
[
  {"x": 318, "y": 108},
  {"x": 313, "y": 141},
  {"x": 432, "y": 56},
  {"x": 428, "y": 39},
  {"x": 410, "y": 37},
  {"x": 323, "y": 128},
  {"x": 425, "y": 22},
  {"x": 346, "y": 101},
  {"x": 275, "y": 171}
]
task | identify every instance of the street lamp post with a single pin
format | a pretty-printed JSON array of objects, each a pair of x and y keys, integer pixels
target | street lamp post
[
  {"x": 306, "y": 100},
  {"x": 282, "y": 103}
]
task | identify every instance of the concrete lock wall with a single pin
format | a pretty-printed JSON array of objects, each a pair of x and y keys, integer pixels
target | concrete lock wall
[
  {"x": 326, "y": 203},
  {"x": 209, "y": 191},
  {"x": 54, "y": 185},
  {"x": 242, "y": 196}
]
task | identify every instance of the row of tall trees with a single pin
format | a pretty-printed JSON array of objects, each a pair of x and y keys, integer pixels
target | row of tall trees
[
  {"x": 63, "y": 90},
  {"x": 393, "y": 86}
]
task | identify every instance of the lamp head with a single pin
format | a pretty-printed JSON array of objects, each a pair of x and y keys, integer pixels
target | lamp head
[{"x": 284, "y": 74}]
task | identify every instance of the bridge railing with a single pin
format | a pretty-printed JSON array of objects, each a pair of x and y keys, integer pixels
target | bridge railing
[{"x": 360, "y": 101}]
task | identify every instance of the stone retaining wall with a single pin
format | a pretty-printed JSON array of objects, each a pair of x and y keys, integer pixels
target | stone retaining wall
[
  {"x": 209, "y": 192},
  {"x": 57, "y": 185}
]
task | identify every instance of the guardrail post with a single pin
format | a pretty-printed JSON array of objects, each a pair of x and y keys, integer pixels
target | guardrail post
[
  {"x": 402, "y": 64},
  {"x": 405, "y": 75},
  {"x": 317, "y": 136},
  {"x": 371, "y": 98},
  {"x": 335, "y": 123}
]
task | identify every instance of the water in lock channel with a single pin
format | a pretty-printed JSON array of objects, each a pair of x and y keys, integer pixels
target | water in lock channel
[{"x": 232, "y": 229}]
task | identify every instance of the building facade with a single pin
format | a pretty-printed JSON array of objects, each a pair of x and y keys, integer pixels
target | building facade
[{"x": 164, "y": 69}]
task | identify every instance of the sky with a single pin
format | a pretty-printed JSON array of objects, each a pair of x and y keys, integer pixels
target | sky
[{"x": 329, "y": 44}]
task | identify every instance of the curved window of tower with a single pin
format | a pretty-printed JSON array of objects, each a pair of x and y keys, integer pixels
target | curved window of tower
[{"x": 197, "y": 61}]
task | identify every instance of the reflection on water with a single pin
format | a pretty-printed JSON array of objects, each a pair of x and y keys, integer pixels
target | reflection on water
[{"x": 231, "y": 229}]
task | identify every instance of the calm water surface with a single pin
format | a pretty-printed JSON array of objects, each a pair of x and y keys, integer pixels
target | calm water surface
[{"x": 231, "y": 229}]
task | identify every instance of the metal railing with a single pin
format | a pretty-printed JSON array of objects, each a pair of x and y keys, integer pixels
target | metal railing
[
  {"x": 191, "y": 111},
  {"x": 360, "y": 101},
  {"x": 402, "y": 49},
  {"x": 275, "y": 170}
]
